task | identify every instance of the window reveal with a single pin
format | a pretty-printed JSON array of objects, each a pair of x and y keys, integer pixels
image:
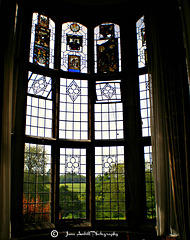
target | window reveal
[{"x": 144, "y": 94}]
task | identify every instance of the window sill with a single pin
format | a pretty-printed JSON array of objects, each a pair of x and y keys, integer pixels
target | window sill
[{"x": 38, "y": 226}]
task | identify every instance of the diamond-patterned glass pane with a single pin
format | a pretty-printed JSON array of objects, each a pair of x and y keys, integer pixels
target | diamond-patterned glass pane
[{"x": 73, "y": 90}]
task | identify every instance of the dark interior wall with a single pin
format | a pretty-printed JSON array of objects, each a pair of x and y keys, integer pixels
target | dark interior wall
[
  {"x": 7, "y": 49},
  {"x": 88, "y": 14}
]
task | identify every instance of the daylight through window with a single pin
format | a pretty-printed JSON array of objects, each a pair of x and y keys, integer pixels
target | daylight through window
[{"x": 76, "y": 137}]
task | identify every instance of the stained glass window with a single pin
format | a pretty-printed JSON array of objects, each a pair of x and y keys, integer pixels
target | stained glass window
[
  {"x": 74, "y": 47},
  {"x": 107, "y": 48},
  {"x": 42, "y": 41},
  {"x": 110, "y": 183},
  {"x": 141, "y": 42},
  {"x": 73, "y": 116},
  {"x": 82, "y": 120}
]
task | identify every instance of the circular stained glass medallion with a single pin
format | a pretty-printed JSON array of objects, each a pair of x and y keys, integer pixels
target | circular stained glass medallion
[{"x": 75, "y": 27}]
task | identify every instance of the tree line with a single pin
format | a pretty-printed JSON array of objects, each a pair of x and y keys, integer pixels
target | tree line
[{"x": 109, "y": 191}]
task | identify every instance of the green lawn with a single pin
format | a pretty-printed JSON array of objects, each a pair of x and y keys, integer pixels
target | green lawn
[{"x": 76, "y": 187}]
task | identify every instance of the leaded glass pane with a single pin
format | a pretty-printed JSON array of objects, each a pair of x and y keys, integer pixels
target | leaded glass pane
[
  {"x": 108, "y": 111},
  {"x": 108, "y": 91},
  {"x": 149, "y": 182},
  {"x": 110, "y": 183},
  {"x": 39, "y": 106},
  {"x": 109, "y": 121},
  {"x": 144, "y": 90},
  {"x": 74, "y": 47},
  {"x": 42, "y": 41},
  {"x": 37, "y": 183},
  {"x": 73, "y": 117},
  {"x": 107, "y": 48},
  {"x": 39, "y": 85},
  {"x": 72, "y": 187},
  {"x": 141, "y": 42}
]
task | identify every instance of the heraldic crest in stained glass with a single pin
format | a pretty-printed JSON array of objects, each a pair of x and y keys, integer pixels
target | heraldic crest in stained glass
[
  {"x": 74, "y": 63},
  {"x": 106, "y": 31},
  {"x": 75, "y": 27},
  {"x": 74, "y": 42},
  {"x": 107, "y": 54},
  {"x": 42, "y": 41},
  {"x": 73, "y": 90}
]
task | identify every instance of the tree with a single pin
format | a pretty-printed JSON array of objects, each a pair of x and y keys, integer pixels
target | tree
[
  {"x": 70, "y": 204},
  {"x": 35, "y": 210},
  {"x": 36, "y": 188},
  {"x": 36, "y": 177},
  {"x": 35, "y": 159},
  {"x": 150, "y": 195},
  {"x": 110, "y": 193},
  {"x": 72, "y": 178}
]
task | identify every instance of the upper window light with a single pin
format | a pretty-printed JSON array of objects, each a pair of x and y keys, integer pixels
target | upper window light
[
  {"x": 141, "y": 42},
  {"x": 42, "y": 41},
  {"x": 107, "y": 48},
  {"x": 74, "y": 47}
]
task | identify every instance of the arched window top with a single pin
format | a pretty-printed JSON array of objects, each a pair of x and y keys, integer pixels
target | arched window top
[
  {"x": 74, "y": 47},
  {"x": 74, "y": 28},
  {"x": 107, "y": 48},
  {"x": 42, "y": 40}
]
